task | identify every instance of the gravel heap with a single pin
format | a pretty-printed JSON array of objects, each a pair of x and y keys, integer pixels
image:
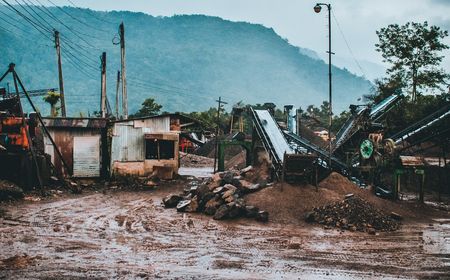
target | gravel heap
[{"x": 354, "y": 214}]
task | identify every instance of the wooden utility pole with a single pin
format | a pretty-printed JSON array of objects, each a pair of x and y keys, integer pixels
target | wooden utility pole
[
  {"x": 124, "y": 80},
  {"x": 117, "y": 94},
  {"x": 60, "y": 74},
  {"x": 103, "y": 89},
  {"x": 219, "y": 106}
]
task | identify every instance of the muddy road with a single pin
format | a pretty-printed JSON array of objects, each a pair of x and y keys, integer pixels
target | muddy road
[{"x": 129, "y": 235}]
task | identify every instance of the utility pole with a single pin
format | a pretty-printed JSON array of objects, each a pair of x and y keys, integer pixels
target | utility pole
[
  {"x": 317, "y": 9},
  {"x": 219, "y": 107},
  {"x": 7, "y": 84},
  {"x": 103, "y": 86},
  {"x": 124, "y": 80},
  {"x": 117, "y": 94},
  {"x": 60, "y": 74}
]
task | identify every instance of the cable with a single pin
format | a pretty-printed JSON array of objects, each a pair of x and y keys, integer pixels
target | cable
[
  {"x": 348, "y": 46},
  {"x": 56, "y": 19},
  {"x": 93, "y": 14},
  {"x": 39, "y": 23},
  {"x": 74, "y": 18},
  {"x": 35, "y": 26}
]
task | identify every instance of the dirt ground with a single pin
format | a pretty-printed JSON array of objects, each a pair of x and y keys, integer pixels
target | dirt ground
[{"x": 129, "y": 235}]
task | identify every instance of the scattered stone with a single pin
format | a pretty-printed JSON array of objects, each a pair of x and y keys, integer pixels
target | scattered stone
[
  {"x": 251, "y": 211},
  {"x": 310, "y": 217},
  {"x": 181, "y": 206},
  {"x": 219, "y": 190},
  {"x": 171, "y": 200},
  {"x": 193, "y": 206},
  {"x": 396, "y": 216},
  {"x": 9, "y": 190},
  {"x": 371, "y": 231},
  {"x": 262, "y": 216},
  {"x": 348, "y": 195},
  {"x": 221, "y": 212},
  {"x": 246, "y": 170},
  {"x": 230, "y": 187},
  {"x": 227, "y": 178}
]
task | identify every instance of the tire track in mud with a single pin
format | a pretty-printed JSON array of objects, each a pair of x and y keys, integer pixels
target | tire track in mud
[{"x": 130, "y": 235}]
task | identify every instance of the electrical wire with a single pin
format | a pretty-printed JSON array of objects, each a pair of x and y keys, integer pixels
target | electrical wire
[
  {"x": 92, "y": 14},
  {"x": 348, "y": 45},
  {"x": 78, "y": 34},
  {"x": 30, "y": 21},
  {"x": 75, "y": 18}
]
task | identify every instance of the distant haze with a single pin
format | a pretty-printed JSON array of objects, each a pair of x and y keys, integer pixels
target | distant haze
[{"x": 296, "y": 21}]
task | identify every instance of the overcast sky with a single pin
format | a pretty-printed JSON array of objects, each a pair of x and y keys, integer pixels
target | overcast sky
[{"x": 296, "y": 20}]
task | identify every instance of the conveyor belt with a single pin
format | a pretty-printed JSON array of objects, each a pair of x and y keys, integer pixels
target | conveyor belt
[
  {"x": 272, "y": 137},
  {"x": 422, "y": 125},
  {"x": 323, "y": 155}
]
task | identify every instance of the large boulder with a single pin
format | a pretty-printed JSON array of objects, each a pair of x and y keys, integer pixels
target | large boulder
[
  {"x": 171, "y": 200},
  {"x": 221, "y": 212}
]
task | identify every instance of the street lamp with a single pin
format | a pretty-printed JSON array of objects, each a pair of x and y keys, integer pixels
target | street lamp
[{"x": 317, "y": 9}]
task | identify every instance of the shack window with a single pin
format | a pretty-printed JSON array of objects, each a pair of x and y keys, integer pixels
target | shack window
[{"x": 159, "y": 149}]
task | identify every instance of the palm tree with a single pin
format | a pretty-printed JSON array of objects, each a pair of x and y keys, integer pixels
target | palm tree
[{"x": 52, "y": 98}]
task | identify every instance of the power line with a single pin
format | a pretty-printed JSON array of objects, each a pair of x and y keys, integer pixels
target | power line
[
  {"x": 56, "y": 19},
  {"x": 30, "y": 21},
  {"x": 348, "y": 46},
  {"x": 75, "y": 18},
  {"x": 92, "y": 14}
]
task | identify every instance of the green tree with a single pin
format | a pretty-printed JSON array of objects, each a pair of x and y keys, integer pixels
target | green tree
[
  {"x": 149, "y": 108},
  {"x": 52, "y": 98},
  {"x": 413, "y": 50}
]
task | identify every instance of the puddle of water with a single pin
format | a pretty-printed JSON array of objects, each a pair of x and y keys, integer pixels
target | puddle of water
[{"x": 199, "y": 172}]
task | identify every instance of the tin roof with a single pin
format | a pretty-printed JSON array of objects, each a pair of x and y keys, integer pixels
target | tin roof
[
  {"x": 422, "y": 161},
  {"x": 184, "y": 118},
  {"x": 75, "y": 122}
]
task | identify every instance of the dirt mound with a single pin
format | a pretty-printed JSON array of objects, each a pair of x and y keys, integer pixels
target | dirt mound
[
  {"x": 289, "y": 204},
  {"x": 236, "y": 162},
  {"x": 353, "y": 214},
  {"x": 191, "y": 160},
  {"x": 342, "y": 186}
]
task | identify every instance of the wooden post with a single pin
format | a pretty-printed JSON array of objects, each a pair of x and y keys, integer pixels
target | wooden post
[
  {"x": 219, "y": 106},
  {"x": 117, "y": 94},
  {"x": 103, "y": 86},
  {"x": 60, "y": 74},
  {"x": 122, "y": 63}
]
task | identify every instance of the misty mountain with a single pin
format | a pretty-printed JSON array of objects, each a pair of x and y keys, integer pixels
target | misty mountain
[{"x": 185, "y": 62}]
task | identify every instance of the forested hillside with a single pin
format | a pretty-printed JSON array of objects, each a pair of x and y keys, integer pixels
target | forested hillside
[{"x": 184, "y": 62}]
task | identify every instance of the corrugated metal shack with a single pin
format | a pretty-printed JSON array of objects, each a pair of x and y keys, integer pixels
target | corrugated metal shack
[
  {"x": 81, "y": 142},
  {"x": 146, "y": 145}
]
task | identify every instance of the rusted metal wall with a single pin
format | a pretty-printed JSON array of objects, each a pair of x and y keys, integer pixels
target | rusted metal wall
[
  {"x": 63, "y": 138},
  {"x": 86, "y": 156},
  {"x": 128, "y": 137},
  {"x": 128, "y": 142}
]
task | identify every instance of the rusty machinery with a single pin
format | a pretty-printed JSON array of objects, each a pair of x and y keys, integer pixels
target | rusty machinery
[{"x": 22, "y": 157}]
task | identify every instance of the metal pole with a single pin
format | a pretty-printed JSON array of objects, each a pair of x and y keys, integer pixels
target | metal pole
[
  {"x": 60, "y": 74},
  {"x": 219, "y": 106},
  {"x": 124, "y": 81},
  {"x": 103, "y": 87},
  {"x": 330, "y": 82},
  {"x": 317, "y": 9}
]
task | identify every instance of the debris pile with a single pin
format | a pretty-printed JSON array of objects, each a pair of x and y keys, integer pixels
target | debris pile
[
  {"x": 10, "y": 191},
  {"x": 192, "y": 160},
  {"x": 354, "y": 214},
  {"x": 221, "y": 197}
]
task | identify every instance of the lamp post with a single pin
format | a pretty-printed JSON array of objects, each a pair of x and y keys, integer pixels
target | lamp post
[{"x": 317, "y": 9}]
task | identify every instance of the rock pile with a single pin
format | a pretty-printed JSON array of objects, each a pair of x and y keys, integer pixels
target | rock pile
[
  {"x": 354, "y": 214},
  {"x": 10, "y": 191},
  {"x": 221, "y": 197}
]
